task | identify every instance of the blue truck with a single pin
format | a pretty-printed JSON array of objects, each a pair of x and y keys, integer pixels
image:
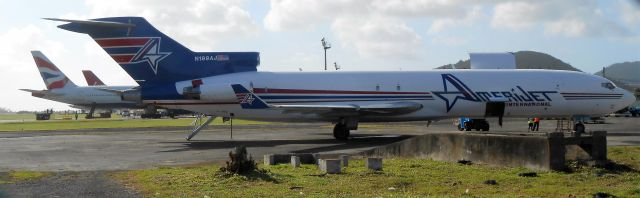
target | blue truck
[{"x": 635, "y": 111}]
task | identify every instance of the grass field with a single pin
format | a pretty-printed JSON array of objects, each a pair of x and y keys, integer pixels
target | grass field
[
  {"x": 32, "y": 117},
  {"x": 18, "y": 176},
  {"x": 17, "y": 117},
  {"x": 400, "y": 178},
  {"x": 107, "y": 123}
]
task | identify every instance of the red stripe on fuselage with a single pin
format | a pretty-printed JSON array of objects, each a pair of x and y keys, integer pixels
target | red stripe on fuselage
[
  {"x": 306, "y": 91},
  {"x": 43, "y": 63},
  {"x": 124, "y": 42},
  {"x": 122, "y": 58}
]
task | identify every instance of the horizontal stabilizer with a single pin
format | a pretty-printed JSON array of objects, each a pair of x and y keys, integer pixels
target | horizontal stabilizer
[
  {"x": 40, "y": 93},
  {"x": 95, "y": 23},
  {"x": 30, "y": 90},
  {"x": 115, "y": 91}
]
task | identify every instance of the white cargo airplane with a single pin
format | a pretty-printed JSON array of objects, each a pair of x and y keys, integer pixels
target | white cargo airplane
[
  {"x": 61, "y": 89},
  {"x": 227, "y": 84}
]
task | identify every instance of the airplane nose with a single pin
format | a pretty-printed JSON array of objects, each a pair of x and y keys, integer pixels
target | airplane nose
[{"x": 627, "y": 98}]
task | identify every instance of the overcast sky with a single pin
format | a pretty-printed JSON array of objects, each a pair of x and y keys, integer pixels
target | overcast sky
[{"x": 366, "y": 34}]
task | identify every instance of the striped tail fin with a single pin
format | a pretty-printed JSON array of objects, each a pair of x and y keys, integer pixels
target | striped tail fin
[
  {"x": 247, "y": 99},
  {"x": 151, "y": 57},
  {"x": 52, "y": 76}
]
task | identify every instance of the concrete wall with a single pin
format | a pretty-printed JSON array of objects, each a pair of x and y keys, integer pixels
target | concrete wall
[{"x": 536, "y": 152}]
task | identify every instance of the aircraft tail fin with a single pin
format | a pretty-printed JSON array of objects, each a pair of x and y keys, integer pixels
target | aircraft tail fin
[
  {"x": 247, "y": 99},
  {"x": 92, "y": 79},
  {"x": 52, "y": 76},
  {"x": 149, "y": 56}
]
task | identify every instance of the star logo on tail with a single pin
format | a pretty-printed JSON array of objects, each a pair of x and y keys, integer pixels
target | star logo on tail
[
  {"x": 454, "y": 90},
  {"x": 151, "y": 54},
  {"x": 248, "y": 99}
]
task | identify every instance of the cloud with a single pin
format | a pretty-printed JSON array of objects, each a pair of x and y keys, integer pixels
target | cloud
[
  {"x": 19, "y": 70},
  {"x": 286, "y": 15},
  {"x": 378, "y": 36},
  {"x": 570, "y": 18},
  {"x": 293, "y": 15},
  {"x": 630, "y": 12},
  {"x": 16, "y": 44},
  {"x": 473, "y": 15},
  {"x": 306, "y": 14},
  {"x": 449, "y": 40},
  {"x": 199, "y": 24},
  {"x": 358, "y": 24},
  {"x": 420, "y": 8}
]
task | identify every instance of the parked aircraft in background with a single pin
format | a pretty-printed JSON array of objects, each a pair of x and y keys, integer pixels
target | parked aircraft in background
[
  {"x": 61, "y": 89},
  {"x": 92, "y": 79},
  {"x": 227, "y": 84}
]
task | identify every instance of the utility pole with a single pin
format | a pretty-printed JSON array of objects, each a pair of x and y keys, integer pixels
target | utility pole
[{"x": 326, "y": 45}]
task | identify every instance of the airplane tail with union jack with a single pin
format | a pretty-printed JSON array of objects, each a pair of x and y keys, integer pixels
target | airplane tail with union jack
[
  {"x": 151, "y": 57},
  {"x": 52, "y": 76}
]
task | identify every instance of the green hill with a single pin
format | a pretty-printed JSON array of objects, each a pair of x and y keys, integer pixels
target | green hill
[{"x": 525, "y": 60}]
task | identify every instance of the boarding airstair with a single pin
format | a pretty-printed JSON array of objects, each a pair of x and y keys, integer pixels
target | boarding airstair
[
  {"x": 199, "y": 123},
  {"x": 564, "y": 125}
]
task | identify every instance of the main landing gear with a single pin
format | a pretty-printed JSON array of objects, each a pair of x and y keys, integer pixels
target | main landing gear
[
  {"x": 579, "y": 128},
  {"x": 341, "y": 130}
]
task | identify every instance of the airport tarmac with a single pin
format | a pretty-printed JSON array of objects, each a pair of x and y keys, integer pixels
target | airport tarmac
[{"x": 123, "y": 149}]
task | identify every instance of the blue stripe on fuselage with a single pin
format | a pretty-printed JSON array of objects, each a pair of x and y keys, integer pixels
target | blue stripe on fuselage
[{"x": 267, "y": 97}]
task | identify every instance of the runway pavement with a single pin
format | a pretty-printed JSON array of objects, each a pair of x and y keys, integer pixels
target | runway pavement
[{"x": 122, "y": 149}]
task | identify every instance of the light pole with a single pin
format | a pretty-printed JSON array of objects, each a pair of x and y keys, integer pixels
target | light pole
[{"x": 326, "y": 45}]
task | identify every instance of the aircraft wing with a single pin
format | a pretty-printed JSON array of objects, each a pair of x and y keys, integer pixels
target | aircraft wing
[{"x": 249, "y": 100}]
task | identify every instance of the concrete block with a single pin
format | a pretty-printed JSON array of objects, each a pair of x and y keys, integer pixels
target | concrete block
[
  {"x": 373, "y": 163},
  {"x": 557, "y": 150},
  {"x": 316, "y": 158},
  {"x": 330, "y": 166},
  {"x": 295, "y": 161},
  {"x": 344, "y": 160},
  {"x": 599, "y": 147},
  {"x": 531, "y": 151},
  {"x": 273, "y": 159},
  {"x": 269, "y": 159}
]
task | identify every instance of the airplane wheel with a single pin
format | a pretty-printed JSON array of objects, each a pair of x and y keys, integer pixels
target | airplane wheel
[
  {"x": 485, "y": 126},
  {"x": 340, "y": 132},
  {"x": 579, "y": 128},
  {"x": 460, "y": 128}
]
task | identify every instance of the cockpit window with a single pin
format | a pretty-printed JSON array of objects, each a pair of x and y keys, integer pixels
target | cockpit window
[{"x": 608, "y": 85}]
